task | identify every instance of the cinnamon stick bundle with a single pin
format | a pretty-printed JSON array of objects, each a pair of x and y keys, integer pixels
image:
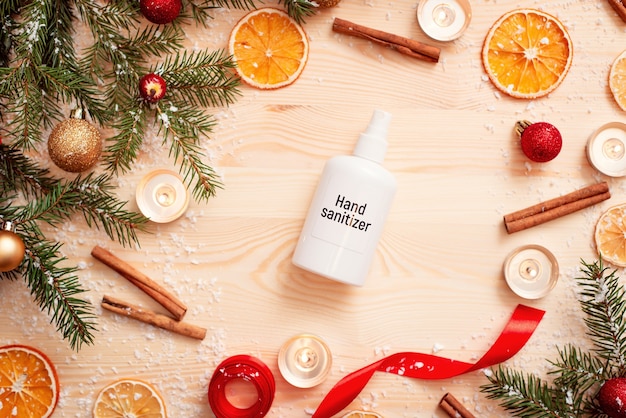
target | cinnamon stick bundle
[
  {"x": 144, "y": 315},
  {"x": 401, "y": 44},
  {"x": 619, "y": 7},
  {"x": 453, "y": 407},
  {"x": 556, "y": 208},
  {"x": 143, "y": 282}
]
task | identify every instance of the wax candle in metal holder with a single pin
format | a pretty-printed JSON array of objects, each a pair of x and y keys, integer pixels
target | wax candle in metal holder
[
  {"x": 304, "y": 361},
  {"x": 606, "y": 149},
  {"x": 444, "y": 20},
  {"x": 162, "y": 196},
  {"x": 531, "y": 271}
]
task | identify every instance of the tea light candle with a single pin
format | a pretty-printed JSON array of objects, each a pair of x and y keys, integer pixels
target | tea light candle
[
  {"x": 444, "y": 20},
  {"x": 606, "y": 149},
  {"x": 304, "y": 361},
  {"x": 531, "y": 271},
  {"x": 162, "y": 196}
]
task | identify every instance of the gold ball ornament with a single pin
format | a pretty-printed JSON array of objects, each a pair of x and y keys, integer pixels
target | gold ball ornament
[
  {"x": 74, "y": 145},
  {"x": 12, "y": 250}
]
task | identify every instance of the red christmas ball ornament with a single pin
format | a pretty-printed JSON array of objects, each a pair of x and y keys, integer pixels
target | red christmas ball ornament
[
  {"x": 541, "y": 141},
  {"x": 160, "y": 12},
  {"x": 612, "y": 397},
  {"x": 152, "y": 87}
]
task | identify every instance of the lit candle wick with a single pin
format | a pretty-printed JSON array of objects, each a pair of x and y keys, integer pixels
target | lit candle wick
[
  {"x": 443, "y": 15},
  {"x": 613, "y": 149},
  {"x": 165, "y": 195},
  {"x": 306, "y": 358},
  {"x": 529, "y": 269}
]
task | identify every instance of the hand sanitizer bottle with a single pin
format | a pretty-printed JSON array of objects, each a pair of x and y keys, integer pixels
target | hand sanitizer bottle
[{"x": 349, "y": 209}]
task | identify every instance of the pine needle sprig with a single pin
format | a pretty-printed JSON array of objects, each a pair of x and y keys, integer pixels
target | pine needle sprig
[
  {"x": 201, "y": 9},
  {"x": 201, "y": 78},
  {"x": 602, "y": 300},
  {"x": 183, "y": 126},
  {"x": 55, "y": 289},
  {"x": 18, "y": 173},
  {"x": 576, "y": 368},
  {"x": 125, "y": 144},
  {"x": 525, "y": 395},
  {"x": 299, "y": 10}
]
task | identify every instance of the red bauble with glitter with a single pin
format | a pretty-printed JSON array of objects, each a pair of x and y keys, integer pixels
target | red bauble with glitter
[
  {"x": 541, "y": 141},
  {"x": 160, "y": 12},
  {"x": 152, "y": 87},
  {"x": 612, "y": 397}
]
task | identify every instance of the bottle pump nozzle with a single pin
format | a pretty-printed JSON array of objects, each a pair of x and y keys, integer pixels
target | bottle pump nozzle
[{"x": 372, "y": 143}]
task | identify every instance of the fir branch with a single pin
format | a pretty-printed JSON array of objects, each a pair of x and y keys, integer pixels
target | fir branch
[
  {"x": 55, "y": 289},
  {"x": 125, "y": 144},
  {"x": 200, "y": 78},
  {"x": 18, "y": 173},
  {"x": 103, "y": 210},
  {"x": 578, "y": 369},
  {"x": 200, "y": 9},
  {"x": 299, "y": 10},
  {"x": 184, "y": 125},
  {"x": 526, "y": 395},
  {"x": 602, "y": 300}
]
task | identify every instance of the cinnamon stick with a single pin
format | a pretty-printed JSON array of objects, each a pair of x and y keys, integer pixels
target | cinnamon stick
[
  {"x": 162, "y": 321},
  {"x": 143, "y": 282},
  {"x": 556, "y": 208},
  {"x": 619, "y": 7},
  {"x": 401, "y": 44},
  {"x": 453, "y": 407}
]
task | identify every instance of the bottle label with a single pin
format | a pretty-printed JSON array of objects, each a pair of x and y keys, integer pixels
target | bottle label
[{"x": 347, "y": 217}]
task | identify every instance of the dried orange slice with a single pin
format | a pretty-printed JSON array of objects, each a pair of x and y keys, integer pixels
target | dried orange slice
[
  {"x": 29, "y": 385},
  {"x": 129, "y": 398},
  {"x": 610, "y": 235},
  {"x": 270, "y": 48},
  {"x": 527, "y": 53},
  {"x": 362, "y": 414},
  {"x": 617, "y": 80}
]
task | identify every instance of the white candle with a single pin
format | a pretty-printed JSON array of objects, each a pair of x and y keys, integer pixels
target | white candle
[
  {"x": 162, "y": 196},
  {"x": 304, "y": 361},
  {"x": 444, "y": 20},
  {"x": 531, "y": 271},
  {"x": 606, "y": 149}
]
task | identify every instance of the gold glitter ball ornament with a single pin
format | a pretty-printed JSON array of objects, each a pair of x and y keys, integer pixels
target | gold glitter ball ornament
[
  {"x": 75, "y": 145},
  {"x": 12, "y": 250}
]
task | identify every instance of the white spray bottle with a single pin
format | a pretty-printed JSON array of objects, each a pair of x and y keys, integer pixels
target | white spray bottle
[{"x": 349, "y": 209}]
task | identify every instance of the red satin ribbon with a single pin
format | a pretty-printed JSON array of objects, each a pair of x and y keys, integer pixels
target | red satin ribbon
[{"x": 515, "y": 334}]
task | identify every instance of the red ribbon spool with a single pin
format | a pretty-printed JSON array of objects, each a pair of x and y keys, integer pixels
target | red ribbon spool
[{"x": 249, "y": 369}]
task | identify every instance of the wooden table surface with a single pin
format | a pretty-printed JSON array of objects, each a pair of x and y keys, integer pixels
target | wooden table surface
[{"x": 436, "y": 283}]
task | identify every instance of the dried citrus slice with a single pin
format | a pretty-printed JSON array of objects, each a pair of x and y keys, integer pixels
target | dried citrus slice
[
  {"x": 29, "y": 385},
  {"x": 617, "y": 80},
  {"x": 362, "y": 414},
  {"x": 527, "y": 53},
  {"x": 269, "y": 47},
  {"x": 129, "y": 398},
  {"x": 611, "y": 235}
]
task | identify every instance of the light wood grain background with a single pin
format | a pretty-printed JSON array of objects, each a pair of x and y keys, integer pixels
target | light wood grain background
[{"x": 436, "y": 282}]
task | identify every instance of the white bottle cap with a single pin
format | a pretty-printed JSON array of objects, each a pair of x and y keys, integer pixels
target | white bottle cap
[{"x": 372, "y": 143}]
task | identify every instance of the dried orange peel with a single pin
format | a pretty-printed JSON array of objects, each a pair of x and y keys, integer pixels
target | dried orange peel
[
  {"x": 269, "y": 47},
  {"x": 617, "y": 80},
  {"x": 527, "y": 53},
  {"x": 362, "y": 414},
  {"x": 29, "y": 385},
  {"x": 610, "y": 235},
  {"x": 129, "y": 398}
]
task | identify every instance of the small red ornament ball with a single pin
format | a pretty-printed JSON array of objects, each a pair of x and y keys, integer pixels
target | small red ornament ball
[
  {"x": 541, "y": 141},
  {"x": 152, "y": 87},
  {"x": 160, "y": 12},
  {"x": 612, "y": 397}
]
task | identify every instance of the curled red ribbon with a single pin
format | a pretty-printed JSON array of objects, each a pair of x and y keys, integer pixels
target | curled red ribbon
[{"x": 515, "y": 334}]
